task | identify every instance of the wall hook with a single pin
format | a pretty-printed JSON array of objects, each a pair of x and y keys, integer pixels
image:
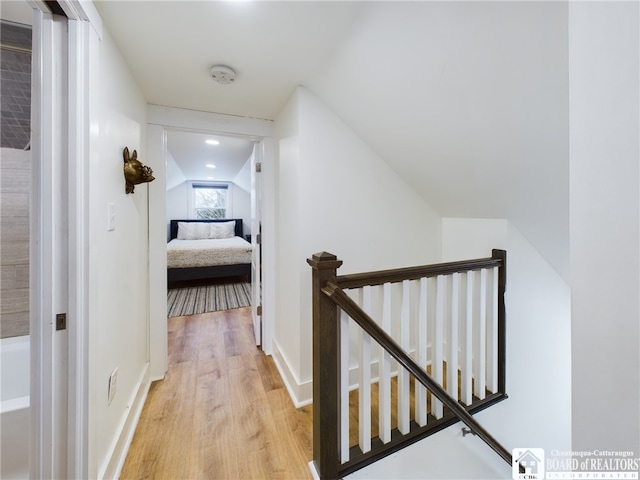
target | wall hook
[{"x": 466, "y": 431}]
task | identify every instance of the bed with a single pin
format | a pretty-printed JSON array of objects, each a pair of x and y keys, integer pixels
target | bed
[{"x": 207, "y": 249}]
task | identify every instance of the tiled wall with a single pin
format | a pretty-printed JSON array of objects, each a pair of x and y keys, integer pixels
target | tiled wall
[
  {"x": 15, "y": 88},
  {"x": 15, "y": 176}
]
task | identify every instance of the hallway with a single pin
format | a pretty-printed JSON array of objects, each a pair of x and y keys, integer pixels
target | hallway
[{"x": 222, "y": 410}]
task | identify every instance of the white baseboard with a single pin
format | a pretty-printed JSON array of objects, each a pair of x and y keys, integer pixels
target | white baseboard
[
  {"x": 313, "y": 470},
  {"x": 120, "y": 445},
  {"x": 301, "y": 393}
]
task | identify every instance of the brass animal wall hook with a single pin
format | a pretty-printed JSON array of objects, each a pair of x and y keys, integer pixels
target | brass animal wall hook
[{"x": 134, "y": 171}]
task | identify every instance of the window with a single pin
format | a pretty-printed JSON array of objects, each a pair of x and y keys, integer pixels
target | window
[{"x": 210, "y": 200}]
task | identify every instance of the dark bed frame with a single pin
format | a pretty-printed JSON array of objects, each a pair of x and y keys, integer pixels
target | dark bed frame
[{"x": 175, "y": 275}]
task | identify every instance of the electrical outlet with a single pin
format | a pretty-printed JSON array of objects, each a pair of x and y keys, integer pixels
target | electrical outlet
[{"x": 112, "y": 384}]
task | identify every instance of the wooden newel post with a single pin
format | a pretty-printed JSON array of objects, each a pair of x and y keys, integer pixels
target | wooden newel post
[
  {"x": 326, "y": 368},
  {"x": 502, "y": 319}
]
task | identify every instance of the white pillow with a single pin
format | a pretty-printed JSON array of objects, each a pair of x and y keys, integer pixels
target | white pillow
[
  {"x": 222, "y": 229},
  {"x": 193, "y": 230}
]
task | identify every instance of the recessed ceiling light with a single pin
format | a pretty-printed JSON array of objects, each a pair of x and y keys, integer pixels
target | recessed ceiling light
[
  {"x": 210, "y": 178},
  {"x": 212, "y": 142},
  {"x": 211, "y": 165}
]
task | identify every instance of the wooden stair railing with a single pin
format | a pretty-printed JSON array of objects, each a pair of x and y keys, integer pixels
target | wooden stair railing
[{"x": 332, "y": 309}]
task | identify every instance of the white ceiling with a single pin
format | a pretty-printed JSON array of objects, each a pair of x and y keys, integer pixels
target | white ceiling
[
  {"x": 273, "y": 47},
  {"x": 192, "y": 154}
]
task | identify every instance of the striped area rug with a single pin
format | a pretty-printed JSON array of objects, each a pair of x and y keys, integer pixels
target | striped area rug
[{"x": 210, "y": 298}]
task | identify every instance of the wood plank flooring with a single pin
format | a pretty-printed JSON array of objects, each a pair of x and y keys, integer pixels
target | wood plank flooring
[{"x": 222, "y": 411}]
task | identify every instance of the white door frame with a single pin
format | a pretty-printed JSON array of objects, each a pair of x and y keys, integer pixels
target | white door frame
[
  {"x": 256, "y": 240},
  {"x": 64, "y": 76},
  {"x": 160, "y": 120}
]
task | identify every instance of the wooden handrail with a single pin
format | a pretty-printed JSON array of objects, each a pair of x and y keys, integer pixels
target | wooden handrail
[
  {"x": 341, "y": 299},
  {"x": 328, "y": 298},
  {"x": 358, "y": 280}
]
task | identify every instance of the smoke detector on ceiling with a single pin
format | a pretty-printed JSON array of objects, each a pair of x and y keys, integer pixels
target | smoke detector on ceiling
[{"x": 222, "y": 74}]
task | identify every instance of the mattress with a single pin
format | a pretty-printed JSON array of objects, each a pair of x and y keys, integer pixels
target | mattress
[{"x": 209, "y": 252}]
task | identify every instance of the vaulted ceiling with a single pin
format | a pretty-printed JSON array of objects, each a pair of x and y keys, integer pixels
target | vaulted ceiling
[
  {"x": 200, "y": 159},
  {"x": 467, "y": 101}
]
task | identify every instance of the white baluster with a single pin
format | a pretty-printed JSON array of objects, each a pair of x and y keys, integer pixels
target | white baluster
[
  {"x": 403, "y": 375},
  {"x": 492, "y": 331},
  {"x": 364, "y": 403},
  {"x": 344, "y": 387},
  {"x": 384, "y": 373},
  {"x": 467, "y": 352},
  {"x": 421, "y": 348},
  {"x": 480, "y": 359},
  {"x": 452, "y": 360},
  {"x": 437, "y": 347}
]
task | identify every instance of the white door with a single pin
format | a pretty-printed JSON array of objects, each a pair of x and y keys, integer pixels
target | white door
[
  {"x": 62, "y": 71},
  {"x": 256, "y": 240},
  {"x": 49, "y": 247}
]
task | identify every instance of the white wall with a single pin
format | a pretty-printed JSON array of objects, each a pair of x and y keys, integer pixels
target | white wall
[
  {"x": 335, "y": 195},
  {"x": 242, "y": 207},
  {"x": 445, "y": 455},
  {"x": 538, "y": 353},
  {"x": 177, "y": 203},
  {"x": 605, "y": 224},
  {"x": 118, "y": 292},
  {"x": 243, "y": 178},
  {"x": 538, "y": 410},
  {"x": 468, "y": 102},
  {"x": 174, "y": 176}
]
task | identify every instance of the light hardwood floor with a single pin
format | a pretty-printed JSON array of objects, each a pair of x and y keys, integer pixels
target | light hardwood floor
[{"x": 222, "y": 411}]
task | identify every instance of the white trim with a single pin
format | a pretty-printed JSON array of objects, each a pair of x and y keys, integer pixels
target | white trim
[
  {"x": 79, "y": 137},
  {"x": 314, "y": 471},
  {"x": 160, "y": 120},
  {"x": 158, "y": 337},
  {"x": 40, "y": 371},
  {"x": 126, "y": 429},
  {"x": 268, "y": 257},
  {"x": 83, "y": 10},
  {"x": 301, "y": 393},
  {"x": 38, "y": 6},
  {"x": 255, "y": 227},
  {"x": 183, "y": 119}
]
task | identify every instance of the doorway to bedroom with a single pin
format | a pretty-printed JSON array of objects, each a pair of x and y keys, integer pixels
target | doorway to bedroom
[{"x": 213, "y": 220}]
